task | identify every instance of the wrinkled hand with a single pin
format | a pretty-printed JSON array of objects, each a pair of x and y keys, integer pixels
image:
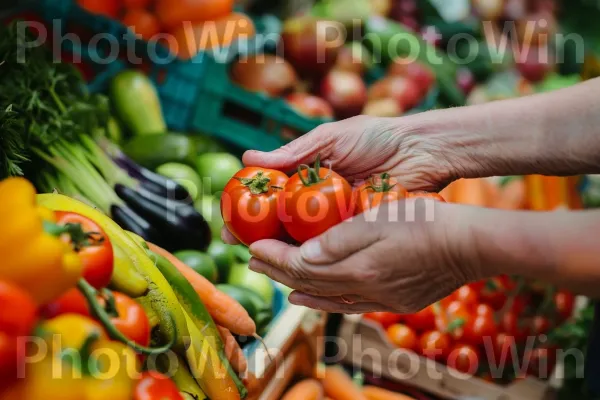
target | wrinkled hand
[{"x": 373, "y": 262}]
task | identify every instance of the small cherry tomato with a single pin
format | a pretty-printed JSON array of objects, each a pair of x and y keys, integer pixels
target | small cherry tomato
[
  {"x": 484, "y": 310},
  {"x": 402, "y": 336},
  {"x": 71, "y": 302},
  {"x": 93, "y": 247},
  {"x": 447, "y": 300},
  {"x": 421, "y": 321},
  {"x": 540, "y": 362},
  {"x": 520, "y": 329},
  {"x": 385, "y": 319},
  {"x": 426, "y": 195},
  {"x": 504, "y": 348},
  {"x": 495, "y": 291},
  {"x": 464, "y": 358},
  {"x": 435, "y": 345},
  {"x": 565, "y": 303},
  {"x": 541, "y": 325},
  {"x": 154, "y": 386},
  {"x": 249, "y": 204},
  {"x": 377, "y": 190},
  {"x": 468, "y": 296},
  {"x": 141, "y": 22},
  {"x": 131, "y": 319},
  {"x": 454, "y": 319},
  {"x": 314, "y": 200},
  {"x": 479, "y": 328}
]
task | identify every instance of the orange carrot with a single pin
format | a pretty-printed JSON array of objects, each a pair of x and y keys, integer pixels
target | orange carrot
[
  {"x": 308, "y": 389},
  {"x": 376, "y": 393},
  {"x": 339, "y": 386},
  {"x": 469, "y": 191},
  {"x": 513, "y": 196},
  {"x": 491, "y": 192},
  {"x": 233, "y": 352},
  {"x": 448, "y": 193},
  {"x": 225, "y": 311}
]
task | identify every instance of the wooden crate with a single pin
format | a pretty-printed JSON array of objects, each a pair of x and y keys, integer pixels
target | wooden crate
[
  {"x": 362, "y": 339},
  {"x": 296, "y": 346}
]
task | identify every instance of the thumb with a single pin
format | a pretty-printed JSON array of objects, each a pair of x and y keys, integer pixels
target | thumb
[{"x": 303, "y": 150}]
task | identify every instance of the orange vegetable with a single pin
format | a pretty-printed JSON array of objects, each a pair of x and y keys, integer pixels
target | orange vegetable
[
  {"x": 339, "y": 386},
  {"x": 375, "y": 393},
  {"x": 470, "y": 192},
  {"x": 142, "y": 22},
  {"x": 512, "y": 196},
  {"x": 547, "y": 193},
  {"x": 189, "y": 39},
  {"x": 491, "y": 191},
  {"x": 448, "y": 193},
  {"x": 174, "y": 12},
  {"x": 233, "y": 352},
  {"x": 129, "y": 4},
  {"x": 308, "y": 389},
  {"x": 225, "y": 311}
]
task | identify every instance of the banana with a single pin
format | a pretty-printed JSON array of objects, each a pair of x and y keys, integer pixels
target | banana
[
  {"x": 125, "y": 277},
  {"x": 181, "y": 376},
  {"x": 203, "y": 331},
  {"x": 161, "y": 296}
]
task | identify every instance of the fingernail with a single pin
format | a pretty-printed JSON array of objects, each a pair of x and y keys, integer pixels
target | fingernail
[{"x": 311, "y": 250}]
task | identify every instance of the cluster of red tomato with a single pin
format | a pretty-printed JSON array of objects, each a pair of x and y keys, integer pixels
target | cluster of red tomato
[
  {"x": 262, "y": 203},
  {"x": 482, "y": 326}
]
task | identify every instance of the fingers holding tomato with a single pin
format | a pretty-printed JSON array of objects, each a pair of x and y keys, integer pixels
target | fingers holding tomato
[{"x": 377, "y": 190}]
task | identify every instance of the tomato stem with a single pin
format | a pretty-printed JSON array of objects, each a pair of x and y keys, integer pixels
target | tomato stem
[
  {"x": 84, "y": 353},
  {"x": 312, "y": 174},
  {"x": 101, "y": 315},
  {"x": 383, "y": 185},
  {"x": 258, "y": 184}
]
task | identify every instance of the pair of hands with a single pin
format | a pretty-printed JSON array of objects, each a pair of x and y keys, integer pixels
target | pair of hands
[{"x": 365, "y": 264}]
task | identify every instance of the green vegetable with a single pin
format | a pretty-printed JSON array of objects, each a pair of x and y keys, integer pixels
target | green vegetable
[
  {"x": 184, "y": 175},
  {"x": 200, "y": 262},
  {"x": 216, "y": 169},
  {"x": 242, "y": 276},
  {"x": 152, "y": 151},
  {"x": 205, "y": 144},
  {"x": 136, "y": 102},
  {"x": 224, "y": 257},
  {"x": 210, "y": 209},
  {"x": 343, "y": 11},
  {"x": 242, "y": 253},
  {"x": 555, "y": 82},
  {"x": 260, "y": 311},
  {"x": 113, "y": 131}
]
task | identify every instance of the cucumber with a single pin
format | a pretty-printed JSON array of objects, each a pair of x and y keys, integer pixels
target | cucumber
[
  {"x": 154, "y": 151},
  {"x": 136, "y": 102},
  {"x": 258, "y": 309}
]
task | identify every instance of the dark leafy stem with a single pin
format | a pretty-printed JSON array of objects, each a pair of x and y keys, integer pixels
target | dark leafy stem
[
  {"x": 312, "y": 174},
  {"x": 383, "y": 185},
  {"x": 103, "y": 316}
]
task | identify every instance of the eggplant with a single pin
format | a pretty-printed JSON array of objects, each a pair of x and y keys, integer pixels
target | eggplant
[
  {"x": 129, "y": 220},
  {"x": 183, "y": 227}
]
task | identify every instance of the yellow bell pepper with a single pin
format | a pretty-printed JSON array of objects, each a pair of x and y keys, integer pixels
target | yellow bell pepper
[
  {"x": 80, "y": 364},
  {"x": 33, "y": 258}
]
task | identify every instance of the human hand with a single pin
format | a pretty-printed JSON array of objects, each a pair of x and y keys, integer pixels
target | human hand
[{"x": 375, "y": 262}]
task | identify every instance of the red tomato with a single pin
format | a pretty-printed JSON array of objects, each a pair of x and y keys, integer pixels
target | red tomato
[
  {"x": 314, "y": 200},
  {"x": 504, "y": 349},
  {"x": 447, "y": 300},
  {"x": 9, "y": 358},
  {"x": 132, "y": 320},
  {"x": 468, "y": 296},
  {"x": 19, "y": 311},
  {"x": 495, "y": 291},
  {"x": 385, "y": 319},
  {"x": 565, "y": 303},
  {"x": 143, "y": 23},
  {"x": 71, "y": 302},
  {"x": 541, "y": 325},
  {"x": 435, "y": 345},
  {"x": 513, "y": 326},
  {"x": 174, "y": 12},
  {"x": 464, "y": 358},
  {"x": 421, "y": 321},
  {"x": 419, "y": 73},
  {"x": 249, "y": 204},
  {"x": 484, "y": 310},
  {"x": 427, "y": 195},
  {"x": 540, "y": 362},
  {"x": 154, "y": 386},
  {"x": 129, "y": 4},
  {"x": 454, "y": 319},
  {"x": 109, "y": 8},
  {"x": 479, "y": 328},
  {"x": 520, "y": 303},
  {"x": 379, "y": 190},
  {"x": 95, "y": 249},
  {"x": 402, "y": 336}
]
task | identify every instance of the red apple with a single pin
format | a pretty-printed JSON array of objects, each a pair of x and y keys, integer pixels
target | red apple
[
  {"x": 311, "y": 45},
  {"x": 345, "y": 91},
  {"x": 536, "y": 63},
  {"x": 402, "y": 89},
  {"x": 419, "y": 73},
  {"x": 309, "y": 105}
]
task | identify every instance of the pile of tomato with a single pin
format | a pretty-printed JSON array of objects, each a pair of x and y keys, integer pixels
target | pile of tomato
[{"x": 499, "y": 329}]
